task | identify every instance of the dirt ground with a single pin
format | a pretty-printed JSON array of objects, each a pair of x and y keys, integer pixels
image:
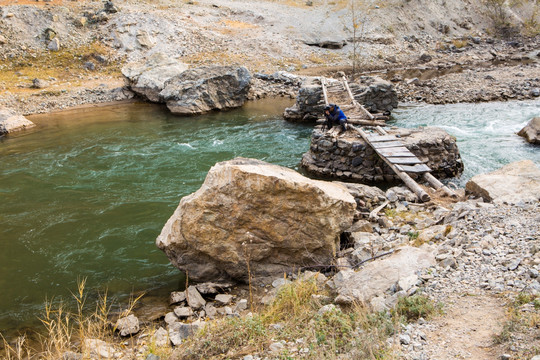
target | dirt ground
[{"x": 467, "y": 329}]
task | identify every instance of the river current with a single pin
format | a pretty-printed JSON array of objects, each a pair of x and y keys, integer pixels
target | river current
[{"x": 85, "y": 194}]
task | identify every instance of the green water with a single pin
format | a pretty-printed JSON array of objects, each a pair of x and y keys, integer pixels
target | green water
[
  {"x": 485, "y": 133},
  {"x": 87, "y": 192}
]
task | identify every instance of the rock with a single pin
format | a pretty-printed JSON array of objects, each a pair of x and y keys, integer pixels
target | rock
[
  {"x": 148, "y": 78},
  {"x": 2, "y": 40},
  {"x": 224, "y": 299},
  {"x": 200, "y": 90},
  {"x": 183, "y": 312},
  {"x": 378, "y": 304},
  {"x": 194, "y": 299},
  {"x": 249, "y": 210},
  {"x": 327, "y": 308},
  {"x": 433, "y": 233},
  {"x": 81, "y": 22},
  {"x": 515, "y": 182},
  {"x": 70, "y": 355},
  {"x": 88, "y": 65},
  {"x": 144, "y": 39},
  {"x": 326, "y": 42},
  {"x": 171, "y": 317},
  {"x": 343, "y": 300},
  {"x": 154, "y": 356},
  {"x": 425, "y": 58},
  {"x": 276, "y": 347},
  {"x": 177, "y": 297},
  {"x": 160, "y": 337},
  {"x": 404, "y": 339},
  {"x": 361, "y": 226},
  {"x": 531, "y": 132},
  {"x": 211, "y": 311},
  {"x": 210, "y": 288},
  {"x": 54, "y": 45},
  {"x": 39, "y": 83},
  {"x": 10, "y": 121},
  {"x": 101, "y": 349},
  {"x": 180, "y": 331},
  {"x": 380, "y": 275},
  {"x": 127, "y": 325},
  {"x": 110, "y": 8},
  {"x": 49, "y": 34},
  {"x": 276, "y": 284},
  {"x": 241, "y": 305}
]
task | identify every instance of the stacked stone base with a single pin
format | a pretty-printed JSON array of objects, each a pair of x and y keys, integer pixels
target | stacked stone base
[{"x": 348, "y": 157}]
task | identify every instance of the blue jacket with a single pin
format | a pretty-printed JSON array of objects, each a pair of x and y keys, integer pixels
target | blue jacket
[{"x": 337, "y": 115}]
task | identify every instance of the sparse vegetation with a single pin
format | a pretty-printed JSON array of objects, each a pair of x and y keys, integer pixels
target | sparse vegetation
[
  {"x": 417, "y": 306},
  {"x": 66, "y": 64},
  {"x": 522, "y": 321},
  {"x": 294, "y": 314}
]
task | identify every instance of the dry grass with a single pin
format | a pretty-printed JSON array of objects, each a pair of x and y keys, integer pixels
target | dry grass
[
  {"x": 66, "y": 65},
  {"x": 66, "y": 329},
  {"x": 521, "y": 326},
  {"x": 293, "y": 319}
]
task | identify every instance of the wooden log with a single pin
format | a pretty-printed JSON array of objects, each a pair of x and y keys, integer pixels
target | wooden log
[
  {"x": 325, "y": 95},
  {"x": 366, "y": 122},
  {"x": 411, "y": 184},
  {"x": 433, "y": 181},
  {"x": 374, "y": 214},
  {"x": 353, "y": 100}
]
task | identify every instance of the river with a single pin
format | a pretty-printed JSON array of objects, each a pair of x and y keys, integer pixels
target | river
[{"x": 85, "y": 194}]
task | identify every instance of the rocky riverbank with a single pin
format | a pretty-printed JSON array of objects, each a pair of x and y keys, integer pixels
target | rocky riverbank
[
  {"x": 473, "y": 258},
  {"x": 435, "y": 61}
]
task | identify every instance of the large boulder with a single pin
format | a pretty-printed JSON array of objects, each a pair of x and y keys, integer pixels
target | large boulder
[
  {"x": 379, "y": 276},
  {"x": 251, "y": 212},
  {"x": 200, "y": 90},
  {"x": 515, "y": 182},
  {"x": 531, "y": 132},
  {"x": 148, "y": 78},
  {"x": 10, "y": 121}
]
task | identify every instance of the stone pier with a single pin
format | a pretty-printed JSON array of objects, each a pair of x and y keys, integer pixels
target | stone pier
[{"x": 348, "y": 157}]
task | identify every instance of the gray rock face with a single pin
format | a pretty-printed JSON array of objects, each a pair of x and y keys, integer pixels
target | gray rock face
[
  {"x": 531, "y": 132},
  {"x": 380, "y": 275},
  {"x": 194, "y": 298},
  {"x": 200, "y": 90},
  {"x": 326, "y": 42},
  {"x": 10, "y": 121},
  {"x": 249, "y": 210},
  {"x": 148, "y": 78},
  {"x": 515, "y": 182}
]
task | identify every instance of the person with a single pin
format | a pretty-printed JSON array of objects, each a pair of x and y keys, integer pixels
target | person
[{"x": 335, "y": 116}]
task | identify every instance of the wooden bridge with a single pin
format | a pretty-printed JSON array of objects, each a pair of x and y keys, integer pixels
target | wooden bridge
[{"x": 389, "y": 148}]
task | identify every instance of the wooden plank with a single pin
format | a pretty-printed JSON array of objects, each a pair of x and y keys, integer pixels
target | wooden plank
[
  {"x": 405, "y": 160},
  {"x": 395, "y": 152},
  {"x": 418, "y": 168},
  {"x": 422, "y": 195},
  {"x": 387, "y": 144},
  {"x": 378, "y": 138}
]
